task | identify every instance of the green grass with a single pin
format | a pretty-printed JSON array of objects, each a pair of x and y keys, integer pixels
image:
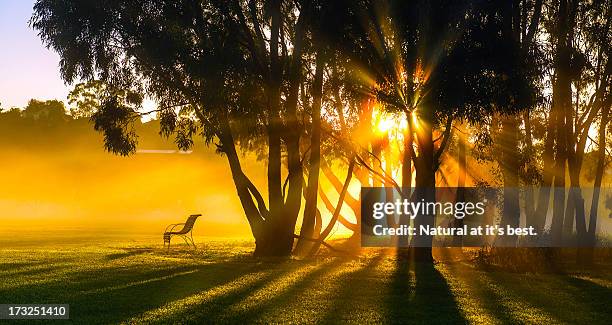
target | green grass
[{"x": 137, "y": 282}]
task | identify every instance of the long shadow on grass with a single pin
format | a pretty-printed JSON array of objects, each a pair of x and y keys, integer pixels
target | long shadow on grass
[
  {"x": 212, "y": 309},
  {"x": 282, "y": 298},
  {"x": 354, "y": 295},
  {"x": 12, "y": 266},
  {"x": 488, "y": 298},
  {"x": 126, "y": 292},
  {"x": 62, "y": 282},
  {"x": 428, "y": 300},
  {"x": 35, "y": 269},
  {"x": 73, "y": 281},
  {"x": 597, "y": 296},
  {"x": 126, "y": 303},
  {"x": 568, "y": 298},
  {"x": 128, "y": 252}
]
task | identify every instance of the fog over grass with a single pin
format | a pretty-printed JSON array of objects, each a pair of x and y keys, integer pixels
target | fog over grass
[{"x": 62, "y": 178}]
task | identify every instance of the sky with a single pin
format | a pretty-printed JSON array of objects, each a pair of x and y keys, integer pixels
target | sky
[{"x": 27, "y": 69}]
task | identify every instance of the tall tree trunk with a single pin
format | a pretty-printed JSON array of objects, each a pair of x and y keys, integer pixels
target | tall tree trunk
[
  {"x": 546, "y": 183},
  {"x": 559, "y": 184},
  {"x": 274, "y": 128},
  {"x": 530, "y": 207},
  {"x": 241, "y": 182},
  {"x": 587, "y": 258},
  {"x": 389, "y": 190},
  {"x": 310, "y": 208},
  {"x": 562, "y": 101},
  {"x": 425, "y": 183},
  {"x": 462, "y": 175},
  {"x": 425, "y": 178},
  {"x": 293, "y": 201},
  {"x": 510, "y": 170},
  {"x": 575, "y": 202},
  {"x": 407, "y": 157},
  {"x": 407, "y": 174},
  {"x": 508, "y": 142}
]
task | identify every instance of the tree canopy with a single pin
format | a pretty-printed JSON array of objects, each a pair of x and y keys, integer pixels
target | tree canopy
[{"x": 302, "y": 82}]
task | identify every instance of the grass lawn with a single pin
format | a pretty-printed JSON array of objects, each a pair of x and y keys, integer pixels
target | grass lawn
[{"x": 126, "y": 281}]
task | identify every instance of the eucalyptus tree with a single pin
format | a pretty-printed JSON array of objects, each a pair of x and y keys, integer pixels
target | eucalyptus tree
[
  {"x": 226, "y": 70},
  {"x": 596, "y": 24},
  {"x": 437, "y": 62},
  {"x": 589, "y": 70}
]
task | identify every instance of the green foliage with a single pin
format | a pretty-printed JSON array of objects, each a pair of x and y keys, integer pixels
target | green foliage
[
  {"x": 114, "y": 119},
  {"x": 86, "y": 98},
  {"x": 452, "y": 57},
  {"x": 183, "y": 54},
  {"x": 51, "y": 110}
]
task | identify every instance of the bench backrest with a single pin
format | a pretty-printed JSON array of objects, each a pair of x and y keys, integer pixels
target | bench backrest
[{"x": 189, "y": 224}]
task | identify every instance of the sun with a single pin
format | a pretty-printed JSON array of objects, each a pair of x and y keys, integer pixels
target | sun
[{"x": 385, "y": 124}]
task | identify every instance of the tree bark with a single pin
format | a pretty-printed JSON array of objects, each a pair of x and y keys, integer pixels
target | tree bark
[
  {"x": 334, "y": 218},
  {"x": 253, "y": 214},
  {"x": 561, "y": 102},
  {"x": 425, "y": 183},
  {"x": 462, "y": 175},
  {"x": 274, "y": 137},
  {"x": 407, "y": 157},
  {"x": 510, "y": 170},
  {"x": 310, "y": 207},
  {"x": 586, "y": 257},
  {"x": 546, "y": 183},
  {"x": 530, "y": 207},
  {"x": 293, "y": 201}
]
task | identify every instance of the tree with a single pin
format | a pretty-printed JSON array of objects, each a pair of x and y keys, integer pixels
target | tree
[
  {"x": 463, "y": 66},
  {"x": 52, "y": 111},
  {"x": 86, "y": 98},
  {"x": 212, "y": 72}
]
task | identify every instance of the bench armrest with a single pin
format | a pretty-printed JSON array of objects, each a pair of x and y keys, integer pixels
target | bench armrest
[{"x": 172, "y": 226}]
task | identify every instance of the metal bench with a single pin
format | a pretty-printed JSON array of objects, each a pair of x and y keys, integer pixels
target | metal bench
[{"x": 186, "y": 232}]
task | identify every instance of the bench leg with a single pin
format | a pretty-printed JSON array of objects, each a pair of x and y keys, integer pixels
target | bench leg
[
  {"x": 167, "y": 239},
  {"x": 184, "y": 239},
  {"x": 192, "y": 242}
]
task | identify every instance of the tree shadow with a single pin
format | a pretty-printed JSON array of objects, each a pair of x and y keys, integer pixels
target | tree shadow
[
  {"x": 280, "y": 297},
  {"x": 353, "y": 301},
  {"x": 568, "y": 298},
  {"x": 512, "y": 297},
  {"x": 594, "y": 291},
  {"x": 597, "y": 295},
  {"x": 110, "y": 295},
  {"x": 427, "y": 298},
  {"x": 214, "y": 308},
  {"x": 159, "y": 294},
  {"x": 39, "y": 269},
  {"x": 487, "y": 298},
  {"x": 128, "y": 252},
  {"x": 16, "y": 265},
  {"x": 481, "y": 294}
]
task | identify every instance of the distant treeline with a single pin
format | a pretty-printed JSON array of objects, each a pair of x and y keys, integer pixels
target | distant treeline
[{"x": 49, "y": 124}]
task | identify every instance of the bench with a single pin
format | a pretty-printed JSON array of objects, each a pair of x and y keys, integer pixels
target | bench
[{"x": 186, "y": 232}]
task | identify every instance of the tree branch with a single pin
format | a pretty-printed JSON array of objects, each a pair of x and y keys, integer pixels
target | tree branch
[{"x": 448, "y": 133}]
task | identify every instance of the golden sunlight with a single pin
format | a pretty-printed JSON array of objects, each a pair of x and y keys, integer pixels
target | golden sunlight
[{"x": 385, "y": 124}]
